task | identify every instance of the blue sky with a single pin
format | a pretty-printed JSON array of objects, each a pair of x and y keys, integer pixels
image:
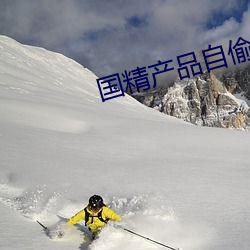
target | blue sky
[
  {"x": 219, "y": 16},
  {"x": 110, "y": 36}
]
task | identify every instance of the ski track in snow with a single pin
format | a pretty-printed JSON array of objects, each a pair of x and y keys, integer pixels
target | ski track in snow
[{"x": 145, "y": 214}]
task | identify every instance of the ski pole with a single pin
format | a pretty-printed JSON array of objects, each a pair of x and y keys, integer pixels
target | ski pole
[
  {"x": 146, "y": 238},
  {"x": 45, "y": 228}
]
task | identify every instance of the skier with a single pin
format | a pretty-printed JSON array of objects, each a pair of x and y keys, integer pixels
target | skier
[{"x": 95, "y": 214}]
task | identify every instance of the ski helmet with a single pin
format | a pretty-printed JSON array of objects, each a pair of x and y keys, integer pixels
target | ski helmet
[{"x": 95, "y": 202}]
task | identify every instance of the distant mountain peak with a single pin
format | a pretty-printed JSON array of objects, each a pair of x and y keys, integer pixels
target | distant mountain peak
[{"x": 201, "y": 100}]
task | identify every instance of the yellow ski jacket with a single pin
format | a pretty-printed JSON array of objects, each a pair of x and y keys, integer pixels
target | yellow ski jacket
[{"x": 94, "y": 223}]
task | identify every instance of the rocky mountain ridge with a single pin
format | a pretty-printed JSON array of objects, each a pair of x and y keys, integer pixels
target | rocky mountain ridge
[{"x": 206, "y": 100}]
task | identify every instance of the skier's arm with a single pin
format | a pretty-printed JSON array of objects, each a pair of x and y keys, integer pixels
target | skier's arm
[
  {"x": 77, "y": 217},
  {"x": 110, "y": 214}
]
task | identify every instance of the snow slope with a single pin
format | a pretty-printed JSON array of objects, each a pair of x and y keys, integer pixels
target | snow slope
[{"x": 176, "y": 183}]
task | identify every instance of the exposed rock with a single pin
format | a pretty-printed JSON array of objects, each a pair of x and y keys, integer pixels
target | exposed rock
[
  {"x": 202, "y": 100},
  {"x": 237, "y": 80}
]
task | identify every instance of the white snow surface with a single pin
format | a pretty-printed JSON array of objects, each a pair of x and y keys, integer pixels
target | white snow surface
[{"x": 182, "y": 185}]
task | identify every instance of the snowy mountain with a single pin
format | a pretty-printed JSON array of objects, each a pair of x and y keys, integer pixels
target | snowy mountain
[
  {"x": 201, "y": 100},
  {"x": 182, "y": 185},
  {"x": 237, "y": 81},
  {"x": 210, "y": 99}
]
